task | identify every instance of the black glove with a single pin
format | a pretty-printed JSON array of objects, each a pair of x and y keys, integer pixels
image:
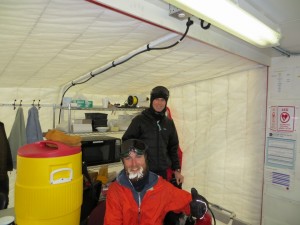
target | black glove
[{"x": 198, "y": 204}]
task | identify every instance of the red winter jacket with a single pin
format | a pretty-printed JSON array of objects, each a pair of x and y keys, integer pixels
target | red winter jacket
[
  {"x": 125, "y": 206},
  {"x": 179, "y": 151}
]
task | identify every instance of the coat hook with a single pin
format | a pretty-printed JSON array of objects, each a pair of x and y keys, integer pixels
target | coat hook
[
  {"x": 39, "y": 106},
  {"x": 20, "y": 102},
  {"x": 15, "y": 104},
  {"x": 33, "y": 102}
]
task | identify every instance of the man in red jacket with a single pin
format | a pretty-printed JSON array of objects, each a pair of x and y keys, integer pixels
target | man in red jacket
[{"x": 141, "y": 197}]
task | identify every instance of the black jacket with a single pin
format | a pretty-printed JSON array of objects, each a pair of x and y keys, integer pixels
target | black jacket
[
  {"x": 161, "y": 138},
  {"x": 5, "y": 153}
]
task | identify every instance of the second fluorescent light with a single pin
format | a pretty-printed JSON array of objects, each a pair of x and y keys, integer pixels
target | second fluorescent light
[{"x": 232, "y": 19}]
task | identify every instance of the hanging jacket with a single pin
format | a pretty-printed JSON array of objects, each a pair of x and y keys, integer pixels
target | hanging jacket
[
  {"x": 125, "y": 206},
  {"x": 17, "y": 136},
  {"x": 5, "y": 153},
  {"x": 160, "y": 137},
  {"x": 33, "y": 128}
]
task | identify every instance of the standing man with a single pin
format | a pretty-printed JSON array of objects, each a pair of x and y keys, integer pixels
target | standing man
[
  {"x": 159, "y": 133},
  {"x": 139, "y": 196}
]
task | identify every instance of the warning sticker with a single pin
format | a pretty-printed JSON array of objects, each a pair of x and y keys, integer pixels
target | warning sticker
[{"x": 286, "y": 118}]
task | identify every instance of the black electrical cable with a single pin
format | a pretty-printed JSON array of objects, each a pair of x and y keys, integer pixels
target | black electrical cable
[
  {"x": 113, "y": 64},
  {"x": 188, "y": 24}
]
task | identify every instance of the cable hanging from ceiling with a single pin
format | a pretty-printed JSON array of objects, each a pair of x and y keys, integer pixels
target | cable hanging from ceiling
[{"x": 116, "y": 63}]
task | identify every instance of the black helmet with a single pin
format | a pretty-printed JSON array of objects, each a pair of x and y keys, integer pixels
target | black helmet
[{"x": 159, "y": 92}]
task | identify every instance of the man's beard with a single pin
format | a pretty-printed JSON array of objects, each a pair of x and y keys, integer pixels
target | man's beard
[{"x": 137, "y": 176}]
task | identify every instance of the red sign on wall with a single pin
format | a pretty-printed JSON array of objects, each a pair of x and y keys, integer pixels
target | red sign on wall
[{"x": 285, "y": 118}]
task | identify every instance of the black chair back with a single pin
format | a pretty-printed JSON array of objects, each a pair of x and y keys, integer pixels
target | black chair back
[{"x": 3, "y": 201}]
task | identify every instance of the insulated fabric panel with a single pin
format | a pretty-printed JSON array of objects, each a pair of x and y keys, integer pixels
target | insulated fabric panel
[{"x": 221, "y": 125}]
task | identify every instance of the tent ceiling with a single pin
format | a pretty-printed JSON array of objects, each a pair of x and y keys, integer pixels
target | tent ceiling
[{"x": 49, "y": 43}]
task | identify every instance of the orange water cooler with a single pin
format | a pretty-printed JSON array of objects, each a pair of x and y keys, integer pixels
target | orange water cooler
[{"x": 49, "y": 185}]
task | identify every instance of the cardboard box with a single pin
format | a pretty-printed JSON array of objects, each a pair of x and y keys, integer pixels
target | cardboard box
[
  {"x": 82, "y": 128},
  {"x": 82, "y": 121},
  {"x": 83, "y": 103}
]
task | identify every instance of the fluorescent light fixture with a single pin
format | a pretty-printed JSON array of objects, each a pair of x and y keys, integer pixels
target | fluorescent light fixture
[{"x": 229, "y": 17}]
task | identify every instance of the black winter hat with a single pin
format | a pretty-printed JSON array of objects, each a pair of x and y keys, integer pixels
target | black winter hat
[{"x": 159, "y": 92}]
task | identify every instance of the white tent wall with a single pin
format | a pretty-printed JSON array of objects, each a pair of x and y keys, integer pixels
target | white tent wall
[
  {"x": 221, "y": 125},
  {"x": 281, "y": 204}
]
